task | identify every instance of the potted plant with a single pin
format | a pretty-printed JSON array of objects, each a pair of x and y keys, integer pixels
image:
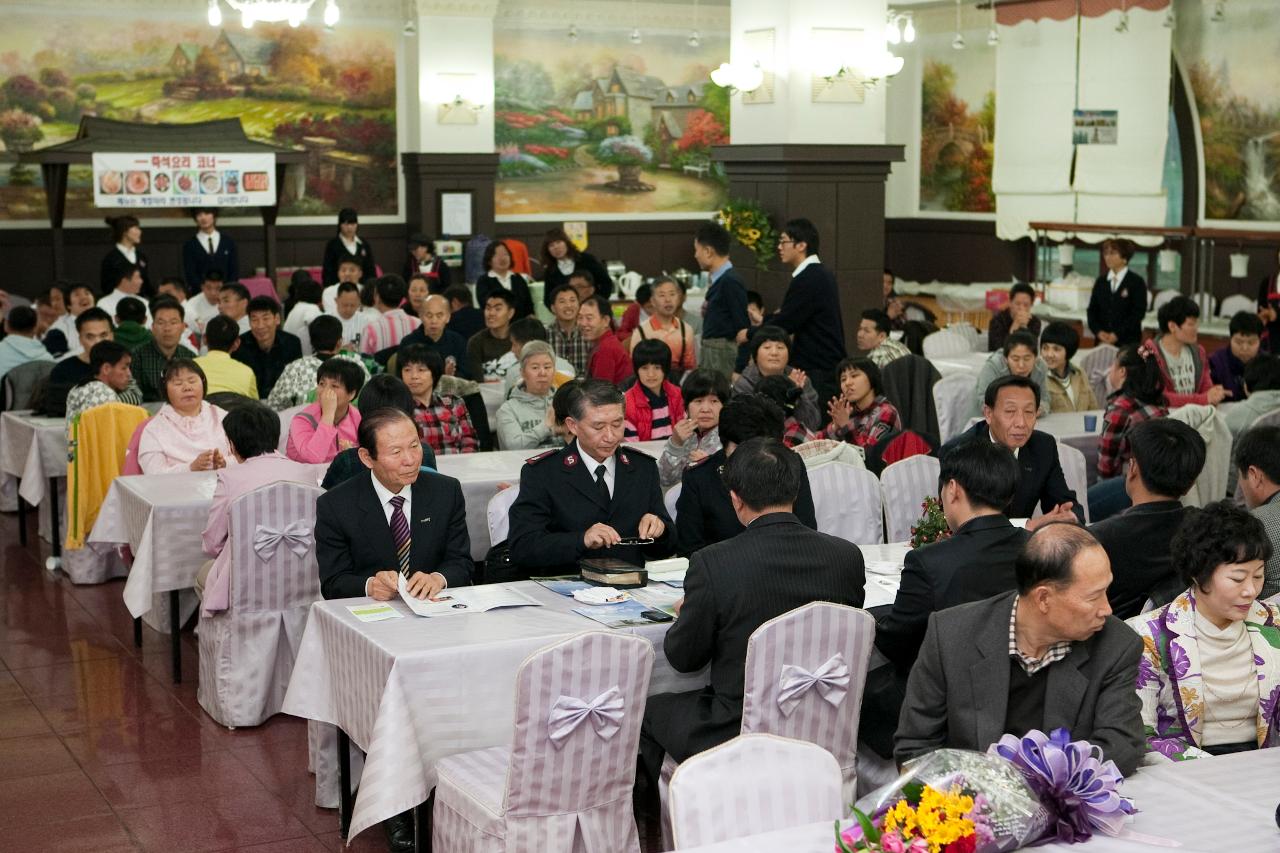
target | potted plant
[
  {"x": 749, "y": 224},
  {"x": 19, "y": 130},
  {"x": 629, "y": 154},
  {"x": 932, "y": 526}
]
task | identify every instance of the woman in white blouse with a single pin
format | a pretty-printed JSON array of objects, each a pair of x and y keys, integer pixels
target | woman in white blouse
[
  {"x": 498, "y": 273},
  {"x": 186, "y": 434}
]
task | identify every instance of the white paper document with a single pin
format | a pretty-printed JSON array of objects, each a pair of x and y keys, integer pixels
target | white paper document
[{"x": 467, "y": 599}]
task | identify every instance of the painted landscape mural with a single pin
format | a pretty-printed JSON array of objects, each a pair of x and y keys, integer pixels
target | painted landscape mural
[
  {"x": 608, "y": 127},
  {"x": 332, "y": 95}
]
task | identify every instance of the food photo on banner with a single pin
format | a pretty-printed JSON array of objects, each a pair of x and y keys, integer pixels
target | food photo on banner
[{"x": 183, "y": 180}]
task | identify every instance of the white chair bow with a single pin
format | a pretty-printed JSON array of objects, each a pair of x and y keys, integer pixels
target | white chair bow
[
  {"x": 296, "y": 535},
  {"x": 605, "y": 712},
  {"x": 831, "y": 679}
]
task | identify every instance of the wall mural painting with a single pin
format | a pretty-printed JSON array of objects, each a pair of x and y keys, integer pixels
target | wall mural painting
[
  {"x": 330, "y": 94},
  {"x": 958, "y": 114},
  {"x": 1236, "y": 85},
  {"x": 606, "y": 127}
]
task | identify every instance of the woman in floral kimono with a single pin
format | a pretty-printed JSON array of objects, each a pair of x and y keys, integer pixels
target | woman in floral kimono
[{"x": 1209, "y": 676}]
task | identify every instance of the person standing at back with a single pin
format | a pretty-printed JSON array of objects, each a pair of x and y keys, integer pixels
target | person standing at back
[
  {"x": 1119, "y": 299},
  {"x": 725, "y": 323},
  {"x": 208, "y": 250},
  {"x": 811, "y": 308}
]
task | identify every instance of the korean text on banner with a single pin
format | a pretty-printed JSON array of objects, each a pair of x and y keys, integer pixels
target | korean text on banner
[{"x": 184, "y": 180}]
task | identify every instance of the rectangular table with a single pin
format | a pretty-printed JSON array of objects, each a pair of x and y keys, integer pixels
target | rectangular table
[
  {"x": 410, "y": 692},
  {"x": 1209, "y": 805},
  {"x": 34, "y": 450}
]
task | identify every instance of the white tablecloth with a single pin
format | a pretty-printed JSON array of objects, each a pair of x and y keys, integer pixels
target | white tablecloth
[
  {"x": 35, "y": 449},
  {"x": 1210, "y": 805},
  {"x": 480, "y": 474},
  {"x": 882, "y": 583},
  {"x": 412, "y": 691}
]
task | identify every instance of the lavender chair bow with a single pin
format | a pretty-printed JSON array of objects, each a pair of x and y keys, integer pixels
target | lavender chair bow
[
  {"x": 831, "y": 679},
  {"x": 605, "y": 713},
  {"x": 296, "y": 536}
]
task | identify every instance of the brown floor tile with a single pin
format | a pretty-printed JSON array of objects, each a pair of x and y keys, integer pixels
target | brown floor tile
[
  {"x": 68, "y": 713},
  {"x": 206, "y": 825},
  {"x": 99, "y": 834},
  {"x": 34, "y": 756},
  {"x": 135, "y": 739},
  {"x": 9, "y": 687},
  {"x": 44, "y": 800},
  {"x": 54, "y": 650},
  {"x": 20, "y": 718},
  {"x": 90, "y": 676},
  {"x": 310, "y": 844},
  {"x": 372, "y": 840},
  {"x": 139, "y": 784}
]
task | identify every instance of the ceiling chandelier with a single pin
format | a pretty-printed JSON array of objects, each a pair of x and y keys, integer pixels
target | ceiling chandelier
[{"x": 273, "y": 12}]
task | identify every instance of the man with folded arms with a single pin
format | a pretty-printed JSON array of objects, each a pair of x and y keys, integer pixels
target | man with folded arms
[
  {"x": 1047, "y": 656},
  {"x": 732, "y": 588}
]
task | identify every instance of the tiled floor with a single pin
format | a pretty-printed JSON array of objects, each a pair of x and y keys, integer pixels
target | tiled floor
[{"x": 101, "y": 752}]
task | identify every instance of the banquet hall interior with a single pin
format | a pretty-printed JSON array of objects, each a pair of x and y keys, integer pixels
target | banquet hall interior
[{"x": 373, "y": 375}]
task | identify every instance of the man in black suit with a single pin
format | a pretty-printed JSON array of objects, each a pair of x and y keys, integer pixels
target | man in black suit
[
  {"x": 811, "y": 309},
  {"x": 390, "y": 521},
  {"x": 1010, "y": 406},
  {"x": 1047, "y": 656},
  {"x": 725, "y": 322},
  {"x": 209, "y": 249},
  {"x": 582, "y": 500},
  {"x": 266, "y": 348},
  {"x": 976, "y": 482},
  {"x": 1119, "y": 298},
  {"x": 732, "y": 588},
  {"x": 1167, "y": 457},
  {"x": 704, "y": 507}
]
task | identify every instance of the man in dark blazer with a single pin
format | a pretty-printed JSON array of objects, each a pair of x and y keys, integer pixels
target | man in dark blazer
[
  {"x": 266, "y": 348},
  {"x": 1119, "y": 298},
  {"x": 581, "y": 500},
  {"x": 209, "y": 249},
  {"x": 976, "y": 482},
  {"x": 725, "y": 322},
  {"x": 1047, "y": 656},
  {"x": 1167, "y": 457},
  {"x": 732, "y": 588},
  {"x": 704, "y": 507},
  {"x": 1010, "y": 406},
  {"x": 355, "y": 539},
  {"x": 811, "y": 309}
]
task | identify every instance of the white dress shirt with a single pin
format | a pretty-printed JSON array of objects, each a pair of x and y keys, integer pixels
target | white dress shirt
[
  {"x": 130, "y": 252},
  {"x": 1116, "y": 277},
  {"x": 812, "y": 259},
  {"x": 610, "y": 466},
  {"x": 203, "y": 239},
  {"x": 384, "y": 497}
]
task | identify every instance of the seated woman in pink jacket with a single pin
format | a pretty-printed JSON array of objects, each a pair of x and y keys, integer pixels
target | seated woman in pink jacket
[
  {"x": 186, "y": 434},
  {"x": 329, "y": 425}
]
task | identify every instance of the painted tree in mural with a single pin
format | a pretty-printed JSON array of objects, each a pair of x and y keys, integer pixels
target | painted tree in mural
[{"x": 956, "y": 146}]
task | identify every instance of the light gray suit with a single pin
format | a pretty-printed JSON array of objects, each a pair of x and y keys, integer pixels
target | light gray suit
[
  {"x": 959, "y": 688},
  {"x": 1269, "y": 514}
]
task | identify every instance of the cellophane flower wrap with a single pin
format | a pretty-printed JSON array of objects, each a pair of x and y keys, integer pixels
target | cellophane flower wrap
[
  {"x": 1078, "y": 788},
  {"x": 949, "y": 801}
]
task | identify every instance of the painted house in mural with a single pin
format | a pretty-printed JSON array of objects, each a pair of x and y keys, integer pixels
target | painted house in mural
[
  {"x": 623, "y": 93},
  {"x": 243, "y": 56},
  {"x": 183, "y": 60},
  {"x": 671, "y": 111}
]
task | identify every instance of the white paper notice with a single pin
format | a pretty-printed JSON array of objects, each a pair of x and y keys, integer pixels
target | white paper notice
[
  {"x": 379, "y": 612},
  {"x": 467, "y": 599}
]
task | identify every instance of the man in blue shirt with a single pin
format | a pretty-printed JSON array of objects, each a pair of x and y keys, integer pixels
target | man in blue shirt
[{"x": 725, "y": 323}]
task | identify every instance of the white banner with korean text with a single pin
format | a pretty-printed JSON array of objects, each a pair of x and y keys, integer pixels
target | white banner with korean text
[{"x": 184, "y": 180}]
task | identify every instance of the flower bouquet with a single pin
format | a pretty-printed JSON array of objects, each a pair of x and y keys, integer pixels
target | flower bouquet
[
  {"x": 750, "y": 226},
  {"x": 932, "y": 526}
]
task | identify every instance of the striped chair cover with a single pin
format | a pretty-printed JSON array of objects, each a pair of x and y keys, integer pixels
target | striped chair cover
[
  {"x": 752, "y": 784},
  {"x": 286, "y": 420},
  {"x": 670, "y": 499},
  {"x": 541, "y": 798},
  {"x": 947, "y": 342},
  {"x": 1076, "y": 472},
  {"x": 498, "y": 513},
  {"x": 247, "y": 651},
  {"x": 1095, "y": 365},
  {"x": 953, "y": 400},
  {"x": 1267, "y": 419},
  {"x": 905, "y": 485},
  {"x": 846, "y": 500}
]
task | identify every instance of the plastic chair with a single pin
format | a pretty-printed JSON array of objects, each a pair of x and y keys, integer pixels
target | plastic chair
[
  {"x": 1076, "y": 472},
  {"x": 670, "y": 499},
  {"x": 247, "y": 651},
  {"x": 947, "y": 342},
  {"x": 564, "y": 786},
  {"x": 752, "y": 784},
  {"x": 953, "y": 400},
  {"x": 846, "y": 500},
  {"x": 498, "y": 513},
  {"x": 131, "y": 466},
  {"x": 905, "y": 485}
]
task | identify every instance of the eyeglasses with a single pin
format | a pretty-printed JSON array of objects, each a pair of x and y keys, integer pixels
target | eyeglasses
[{"x": 785, "y": 242}]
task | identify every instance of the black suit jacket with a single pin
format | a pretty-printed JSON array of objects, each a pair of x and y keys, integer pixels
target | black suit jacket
[
  {"x": 958, "y": 693},
  {"x": 335, "y": 252},
  {"x": 811, "y": 313},
  {"x": 1040, "y": 478},
  {"x": 353, "y": 539},
  {"x": 268, "y": 366},
  {"x": 519, "y": 289},
  {"x": 558, "y": 501},
  {"x": 1120, "y": 312},
  {"x": 1137, "y": 541},
  {"x": 705, "y": 512},
  {"x": 731, "y": 589},
  {"x": 196, "y": 261},
  {"x": 113, "y": 264}
]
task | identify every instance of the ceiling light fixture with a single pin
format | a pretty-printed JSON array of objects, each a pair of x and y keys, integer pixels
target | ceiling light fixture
[
  {"x": 957, "y": 41},
  {"x": 292, "y": 12}
]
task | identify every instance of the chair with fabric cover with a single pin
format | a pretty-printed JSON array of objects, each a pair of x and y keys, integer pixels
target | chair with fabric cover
[
  {"x": 846, "y": 500},
  {"x": 1076, "y": 472},
  {"x": 804, "y": 676},
  {"x": 498, "y": 513},
  {"x": 1095, "y": 365},
  {"x": 1163, "y": 298},
  {"x": 564, "y": 785},
  {"x": 908, "y": 384},
  {"x": 947, "y": 342},
  {"x": 905, "y": 485},
  {"x": 977, "y": 339},
  {"x": 1268, "y": 419},
  {"x": 953, "y": 400},
  {"x": 20, "y": 384},
  {"x": 670, "y": 499},
  {"x": 1236, "y": 303},
  {"x": 286, "y": 421},
  {"x": 247, "y": 651},
  {"x": 1211, "y": 485},
  {"x": 753, "y": 784},
  {"x": 131, "y": 467}
]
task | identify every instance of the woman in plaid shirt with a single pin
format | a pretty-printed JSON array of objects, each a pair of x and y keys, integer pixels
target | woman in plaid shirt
[
  {"x": 861, "y": 415},
  {"x": 1141, "y": 397},
  {"x": 443, "y": 422}
]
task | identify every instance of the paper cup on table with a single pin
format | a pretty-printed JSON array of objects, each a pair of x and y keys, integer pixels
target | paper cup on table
[{"x": 1090, "y": 423}]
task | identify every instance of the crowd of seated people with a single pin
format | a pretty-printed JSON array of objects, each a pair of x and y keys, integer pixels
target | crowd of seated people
[{"x": 1021, "y": 603}]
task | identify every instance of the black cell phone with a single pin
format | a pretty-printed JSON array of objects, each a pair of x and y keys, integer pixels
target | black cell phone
[{"x": 657, "y": 616}]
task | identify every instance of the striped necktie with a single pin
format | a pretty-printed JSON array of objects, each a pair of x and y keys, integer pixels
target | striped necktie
[{"x": 400, "y": 532}]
